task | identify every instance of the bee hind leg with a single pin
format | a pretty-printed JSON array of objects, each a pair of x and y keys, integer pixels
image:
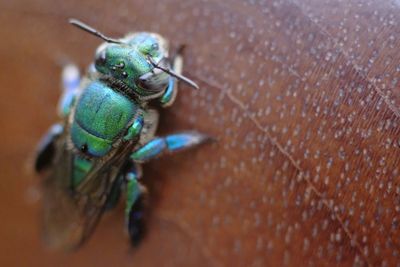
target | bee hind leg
[
  {"x": 46, "y": 148},
  {"x": 168, "y": 144},
  {"x": 119, "y": 185},
  {"x": 136, "y": 202}
]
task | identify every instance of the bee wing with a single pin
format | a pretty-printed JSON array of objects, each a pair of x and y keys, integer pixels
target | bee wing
[{"x": 70, "y": 215}]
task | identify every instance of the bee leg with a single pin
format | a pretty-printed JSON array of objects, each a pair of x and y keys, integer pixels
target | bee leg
[
  {"x": 136, "y": 200},
  {"x": 46, "y": 148},
  {"x": 168, "y": 98},
  {"x": 120, "y": 183},
  {"x": 135, "y": 129},
  {"x": 70, "y": 82},
  {"x": 170, "y": 143}
]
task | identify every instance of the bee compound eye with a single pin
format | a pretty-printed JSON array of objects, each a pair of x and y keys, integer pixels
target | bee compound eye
[{"x": 101, "y": 57}]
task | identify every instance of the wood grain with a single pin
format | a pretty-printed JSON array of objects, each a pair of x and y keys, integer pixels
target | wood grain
[{"x": 303, "y": 97}]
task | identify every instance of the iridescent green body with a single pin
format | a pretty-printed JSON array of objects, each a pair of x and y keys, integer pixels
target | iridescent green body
[
  {"x": 103, "y": 112},
  {"x": 107, "y": 130}
]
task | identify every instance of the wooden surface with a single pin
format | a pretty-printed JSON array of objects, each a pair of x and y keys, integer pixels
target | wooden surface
[{"x": 303, "y": 96}]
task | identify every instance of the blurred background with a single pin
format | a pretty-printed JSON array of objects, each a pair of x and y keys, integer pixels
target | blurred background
[{"x": 302, "y": 95}]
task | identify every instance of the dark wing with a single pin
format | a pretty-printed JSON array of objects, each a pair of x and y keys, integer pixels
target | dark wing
[{"x": 70, "y": 215}]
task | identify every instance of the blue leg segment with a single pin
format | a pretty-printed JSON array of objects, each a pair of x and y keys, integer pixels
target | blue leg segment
[
  {"x": 70, "y": 81},
  {"x": 168, "y": 98},
  {"x": 171, "y": 143},
  {"x": 135, "y": 206},
  {"x": 46, "y": 148},
  {"x": 135, "y": 129}
]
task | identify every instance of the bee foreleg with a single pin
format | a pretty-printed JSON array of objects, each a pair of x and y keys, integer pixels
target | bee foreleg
[
  {"x": 70, "y": 84},
  {"x": 46, "y": 147},
  {"x": 171, "y": 143},
  {"x": 168, "y": 98},
  {"x": 136, "y": 199}
]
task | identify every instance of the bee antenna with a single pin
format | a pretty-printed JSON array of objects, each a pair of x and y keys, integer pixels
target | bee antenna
[
  {"x": 93, "y": 31},
  {"x": 174, "y": 74}
]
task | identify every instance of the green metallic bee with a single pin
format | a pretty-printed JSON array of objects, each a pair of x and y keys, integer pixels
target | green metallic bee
[{"x": 107, "y": 130}]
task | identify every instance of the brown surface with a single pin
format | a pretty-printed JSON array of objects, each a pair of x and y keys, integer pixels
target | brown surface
[{"x": 302, "y": 95}]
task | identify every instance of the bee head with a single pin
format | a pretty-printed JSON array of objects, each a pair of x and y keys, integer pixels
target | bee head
[
  {"x": 130, "y": 62},
  {"x": 138, "y": 61}
]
